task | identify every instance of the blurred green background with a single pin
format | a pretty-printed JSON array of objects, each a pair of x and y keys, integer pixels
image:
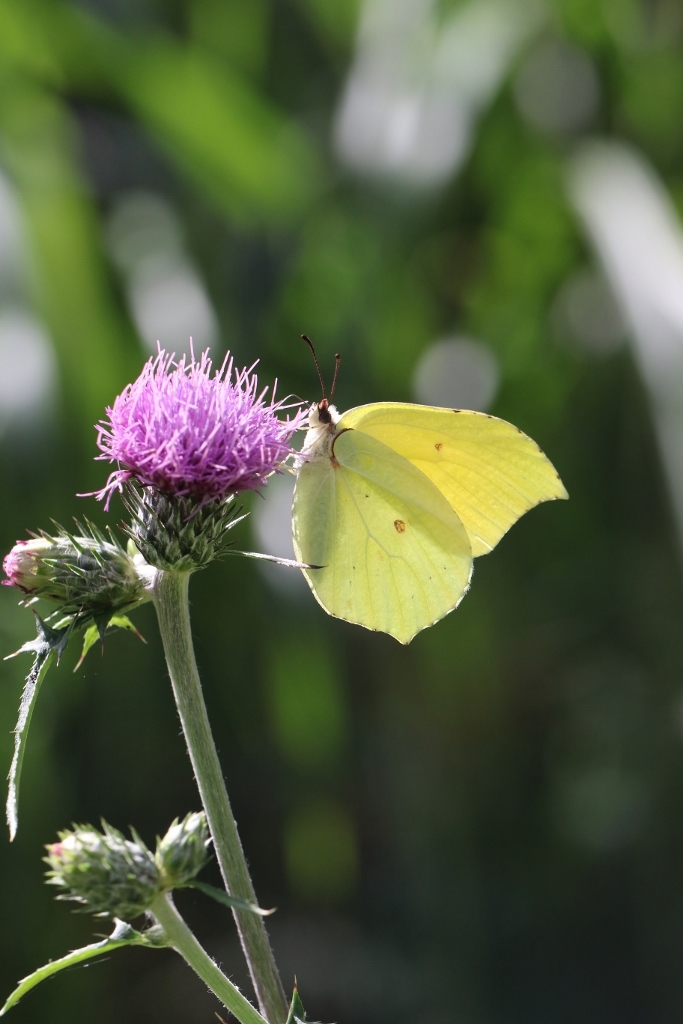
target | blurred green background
[{"x": 477, "y": 203}]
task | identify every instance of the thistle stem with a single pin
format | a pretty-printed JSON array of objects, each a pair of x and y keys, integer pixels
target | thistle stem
[
  {"x": 172, "y": 605},
  {"x": 183, "y": 941}
]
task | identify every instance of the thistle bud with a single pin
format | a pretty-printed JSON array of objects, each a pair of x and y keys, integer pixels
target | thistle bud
[
  {"x": 23, "y": 563},
  {"x": 183, "y": 851},
  {"x": 89, "y": 575},
  {"x": 109, "y": 875}
]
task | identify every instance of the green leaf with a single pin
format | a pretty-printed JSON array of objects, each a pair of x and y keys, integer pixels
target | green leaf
[
  {"x": 90, "y": 637},
  {"x": 229, "y": 901},
  {"x": 97, "y": 631},
  {"x": 123, "y": 935},
  {"x": 48, "y": 644},
  {"x": 123, "y": 622},
  {"x": 297, "y": 1014},
  {"x": 50, "y": 641}
]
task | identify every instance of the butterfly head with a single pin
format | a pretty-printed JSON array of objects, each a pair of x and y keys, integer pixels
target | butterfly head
[
  {"x": 322, "y": 420},
  {"x": 322, "y": 414},
  {"x": 322, "y": 417}
]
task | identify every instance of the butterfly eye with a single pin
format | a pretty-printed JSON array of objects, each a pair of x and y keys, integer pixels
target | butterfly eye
[{"x": 324, "y": 414}]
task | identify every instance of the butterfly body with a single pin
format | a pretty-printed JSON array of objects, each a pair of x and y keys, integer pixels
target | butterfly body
[
  {"x": 394, "y": 501},
  {"x": 322, "y": 427}
]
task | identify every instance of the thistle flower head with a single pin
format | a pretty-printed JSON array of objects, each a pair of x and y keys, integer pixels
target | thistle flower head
[
  {"x": 183, "y": 851},
  {"x": 109, "y": 875},
  {"x": 112, "y": 876},
  {"x": 87, "y": 573},
  {"x": 190, "y": 433}
]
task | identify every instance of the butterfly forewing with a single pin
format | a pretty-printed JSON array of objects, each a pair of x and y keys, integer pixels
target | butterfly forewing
[{"x": 489, "y": 472}]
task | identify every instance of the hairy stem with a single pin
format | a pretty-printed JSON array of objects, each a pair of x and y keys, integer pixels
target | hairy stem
[
  {"x": 183, "y": 941},
  {"x": 171, "y": 601}
]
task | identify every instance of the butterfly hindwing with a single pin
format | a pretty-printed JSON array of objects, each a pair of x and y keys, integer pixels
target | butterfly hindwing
[{"x": 394, "y": 555}]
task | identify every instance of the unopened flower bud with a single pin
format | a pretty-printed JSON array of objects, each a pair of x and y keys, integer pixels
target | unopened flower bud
[
  {"x": 183, "y": 851},
  {"x": 109, "y": 875},
  {"x": 22, "y": 565},
  {"x": 88, "y": 575}
]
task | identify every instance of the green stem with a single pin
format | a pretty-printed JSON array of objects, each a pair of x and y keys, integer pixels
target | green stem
[
  {"x": 171, "y": 601},
  {"x": 184, "y": 942}
]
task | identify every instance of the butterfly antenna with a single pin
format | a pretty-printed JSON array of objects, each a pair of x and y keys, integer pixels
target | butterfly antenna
[
  {"x": 337, "y": 364},
  {"x": 308, "y": 341}
]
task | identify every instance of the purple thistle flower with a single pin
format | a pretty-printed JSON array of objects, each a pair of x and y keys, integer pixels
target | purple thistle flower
[{"x": 187, "y": 433}]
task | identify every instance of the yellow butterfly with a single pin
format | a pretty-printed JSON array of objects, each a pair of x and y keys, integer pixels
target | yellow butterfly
[{"x": 393, "y": 502}]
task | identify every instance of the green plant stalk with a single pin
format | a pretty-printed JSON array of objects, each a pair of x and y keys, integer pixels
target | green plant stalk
[
  {"x": 171, "y": 601},
  {"x": 183, "y": 941}
]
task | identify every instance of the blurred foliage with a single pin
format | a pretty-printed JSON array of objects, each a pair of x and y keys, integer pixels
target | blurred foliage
[{"x": 486, "y": 826}]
